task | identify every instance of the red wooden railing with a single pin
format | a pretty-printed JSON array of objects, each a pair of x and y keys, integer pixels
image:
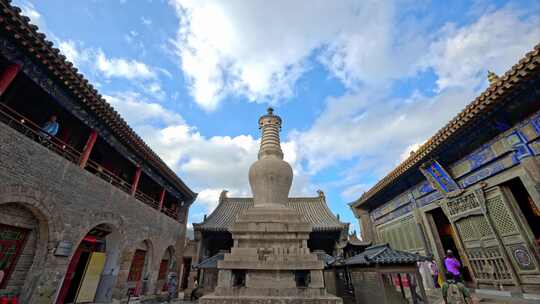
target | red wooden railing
[
  {"x": 31, "y": 130},
  {"x": 170, "y": 212}
]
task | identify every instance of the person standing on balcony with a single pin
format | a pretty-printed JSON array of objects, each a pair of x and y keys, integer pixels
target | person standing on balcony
[{"x": 51, "y": 126}]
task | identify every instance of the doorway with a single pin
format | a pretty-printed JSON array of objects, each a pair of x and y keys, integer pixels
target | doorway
[
  {"x": 447, "y": 239},
  {"x": 527, "y": 206},
  {"x": 85, "y": 268},
  {"x": 138, "y": 276},
  {"x": 185, "y": 273}
]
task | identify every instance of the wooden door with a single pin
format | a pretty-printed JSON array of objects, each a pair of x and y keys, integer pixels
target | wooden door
[
  {"x": 136, "y": 270},
  {"x": 69, "y": 275},
  {"x": 502, "y": 210},
  {"x": 12, "y": 241},
  {"x": 482, "y": 248}
]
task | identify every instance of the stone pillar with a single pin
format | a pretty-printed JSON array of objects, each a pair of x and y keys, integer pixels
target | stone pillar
[
  {"x": 45, "y": 284},
  {"x": 120, "y": 289}
]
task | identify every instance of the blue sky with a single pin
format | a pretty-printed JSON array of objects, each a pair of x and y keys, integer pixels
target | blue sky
[{"x": 359, "y": 84}]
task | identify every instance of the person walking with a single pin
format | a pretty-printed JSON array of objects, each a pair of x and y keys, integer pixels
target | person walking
[
  {"x": 452, "y": 265},
  {"x": 454, "y": 292},
  {"x": 434, "y": 271},
  {"x": 172, "y": 285}
]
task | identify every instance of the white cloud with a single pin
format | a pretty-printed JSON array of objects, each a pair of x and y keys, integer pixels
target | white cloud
[
  {"x": 354, "y": 191},
  {"x": 137, "y": 111},
  {"x": 462, "y": 56},
  {"x": 210, "y": 164},
  {"x": 28, "y": 9},
  {"x": 122, "y": 67},
  {"x": 259, "y": 49},
  {"x": 409, "y": 151},
  {"x": 374, "y": 128},
  {"x": 146, "y": 21},
  {"x": 74, "y": 52},
  {"x": 209, "y": 198},
  {"x": 378, "y": 131}
]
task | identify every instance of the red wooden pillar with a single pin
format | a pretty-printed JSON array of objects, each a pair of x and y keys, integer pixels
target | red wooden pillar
[
  {"x": 7, "y": 77},
  {"x": 88, "y": 149},
  {"x": 161, "y": 198},
  {"x": 136, "y": 178}
]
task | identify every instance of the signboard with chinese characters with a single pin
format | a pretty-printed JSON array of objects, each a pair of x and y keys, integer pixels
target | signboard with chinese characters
[
  {"x": 63, "y": 248},
  {"x": 439, "y": 178}
]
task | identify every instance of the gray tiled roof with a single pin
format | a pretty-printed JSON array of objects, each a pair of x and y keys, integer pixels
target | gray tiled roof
[
  {"x": 313, "y": 209},
  {"x": 325, "y": 257},
  {"x": 210, "y": 262},
  {"x": 383, "y": 254}
]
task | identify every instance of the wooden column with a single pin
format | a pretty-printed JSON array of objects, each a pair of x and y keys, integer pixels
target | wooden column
[
  {"x": 161, "y": 198},
  {"x": 7, "y": 77},
  {"x": 136, "y": 178},
  {"x": 88, "y": 149}
]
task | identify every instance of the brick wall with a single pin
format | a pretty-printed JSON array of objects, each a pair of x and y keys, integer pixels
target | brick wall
[{"x": 68, "y": 202}]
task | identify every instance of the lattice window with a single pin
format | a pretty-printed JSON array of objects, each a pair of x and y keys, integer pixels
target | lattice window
[
  {"x": 466, "y": 229},
  {"x": 405, "y": 235},
  {"x": 474, "y": 227},
  {"x": 501, "y": 216},
  {"x": 488, "y": 264},
  {"x": 462, "y": 204},
  {"x": 482, "y": 226}
]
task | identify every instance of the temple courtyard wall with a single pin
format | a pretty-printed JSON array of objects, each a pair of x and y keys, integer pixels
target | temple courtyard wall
[{"x": 59, "y": 203}]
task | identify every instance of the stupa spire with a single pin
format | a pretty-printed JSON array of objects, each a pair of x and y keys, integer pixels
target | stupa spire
[
  {"x": 270, "y": 126},
  {"x": 270, "y": 176}
]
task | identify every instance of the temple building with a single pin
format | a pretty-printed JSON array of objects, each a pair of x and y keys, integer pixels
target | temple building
[
  {"x": 474, "y": 188},
  {"x": 213, "y": 238},
  {"x": 88, "y": 212}
]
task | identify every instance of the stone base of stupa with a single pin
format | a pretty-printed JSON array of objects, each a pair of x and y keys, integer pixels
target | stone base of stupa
[{"x": 270, "y": 250}]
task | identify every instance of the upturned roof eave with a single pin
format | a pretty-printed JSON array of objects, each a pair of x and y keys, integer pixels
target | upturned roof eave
[{"x": 485, "y": 101}]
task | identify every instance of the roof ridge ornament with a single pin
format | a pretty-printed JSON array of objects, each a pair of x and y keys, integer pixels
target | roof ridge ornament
[
  {"x": 223, "y": 195},
  {"x": 492, "y": 77}
]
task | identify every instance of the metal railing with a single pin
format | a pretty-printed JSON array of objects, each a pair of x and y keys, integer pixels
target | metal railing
[{"x": 31, "y": 130}]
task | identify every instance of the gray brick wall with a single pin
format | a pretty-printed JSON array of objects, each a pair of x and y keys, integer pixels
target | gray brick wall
[{"x": 68, "y": 202}]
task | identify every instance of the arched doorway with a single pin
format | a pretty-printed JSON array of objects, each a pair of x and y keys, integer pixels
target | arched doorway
[
  {"x": 139, "y": 271},
  {"x": 167, "y": 264},
  {"x": 20, "y": 237},
  {"x": 96, "y": 251}
]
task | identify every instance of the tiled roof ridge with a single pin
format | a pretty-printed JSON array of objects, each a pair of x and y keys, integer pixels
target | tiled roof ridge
[
  {"x": 80, "y": 86},
  {"x": 496, "y": 89},
  {"x": 229, "y": 207}
]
